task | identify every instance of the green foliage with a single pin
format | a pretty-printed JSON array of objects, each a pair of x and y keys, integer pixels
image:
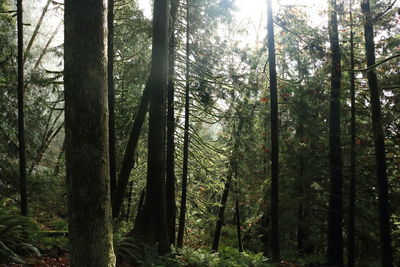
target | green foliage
[
  {"x": 16, "y": 235},
  {"x": 131, "y": 250},
  {"x": 226, "y": 257}
]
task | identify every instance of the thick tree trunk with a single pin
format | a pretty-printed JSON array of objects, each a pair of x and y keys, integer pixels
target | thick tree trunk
[
  {"x": 86, "y": 133},
  {"x": 352, "y": 191},
  {"x": 21, "y": 117},
  {"x": 379, "y": 139},
  {"x": 152, "y": 224},
  {"x": 335, "y": 237},
  {"x": 275, "y": 251},
  {"x": 111, "y": 96},
  {"x": 128, "y": 160},
  {"x": 182, "y": 213},
  {"x": 170, "y": 162}
]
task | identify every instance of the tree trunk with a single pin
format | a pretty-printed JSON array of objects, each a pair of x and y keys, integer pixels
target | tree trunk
[
  {"x": 86, "y": 133},
  {"x": 238, "y": 226},
  {"x": 111, "y": 96},
  {"x": 182, "y": 213},
  {"x": 152, "y": 224},
  {"x": 221, "y": 212},
  {"x": 274, "y": 138},
  {"x": 379, "y": 139},
  {"x": 335, "y": 238},
  {"x": 36, "y": 31},
  {"x": 21, "y": 117},
  {"x": 170, "y": 162},
  {"x": 352, "y": 191},
  {"x": 128, "y": 160}
]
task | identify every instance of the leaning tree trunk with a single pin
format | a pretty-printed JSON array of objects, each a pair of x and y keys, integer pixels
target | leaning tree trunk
[
  {"x": 152, "y": 225},
  {"x": 275, "y": 251},
  {"x": 182, "y": 213},
  {"x": 335, "y": 213},
  {"x": 233, "y": 165},
  {"x": 111, "y": 95},
  {"x": 170, "y": 161},
  {"x": 128, "y": 160},
  {"x": 352, "y": 191},
  {"x": 86, "y": 133},
  {"x": 21, "y": 117},
  {"x": 379, "y": 139}
]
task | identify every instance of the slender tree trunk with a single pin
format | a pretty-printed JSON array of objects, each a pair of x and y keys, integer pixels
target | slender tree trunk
[
  {"x": 152, "y": 226},
  {"x": 182, "y": 214},
  {"x": 352, "y": 191},
  {"x": 274, "y": 138},
  {"x": 128, "y": 160},
  {"x": 86, "y": 133},
  {"x": 21, "y": 117},
  {"x": 379, "y": 139},
  {"x": 111, "y": 96},
  {"x": 170, "y": 163},
  {"x": 335, "y": 237},
  {"x": 139, "y": 207},
  {"x": 44, "y": 51},
  {"x": 232, "y": 169},
  {"x": 129, "y": 200},
  {"x": 238, "y": 226},
  {"x": 221, "y": 212},
  {"x": 300, "y": 211},
  {"x": 36, "y": 31}
]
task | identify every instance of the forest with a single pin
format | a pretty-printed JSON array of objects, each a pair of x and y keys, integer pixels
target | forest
[{"x": 195, "y": 133}]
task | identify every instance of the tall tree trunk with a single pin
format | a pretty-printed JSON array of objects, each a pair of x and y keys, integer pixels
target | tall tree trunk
[
  {"x": 86, "y": 133},
  {"x": 152, "y": 225},
  {"x": 238, "y": 226},
  {"x": 352, "y": 191},
  {"x": 275, "y": 251},
  {"x": 379, "y": 139},
  {"x": 21, "y": 117},
  {"x": 128, "y": 160},
  {"x": 170, "y": 162},
  {"x": 182, "y": 213},
  {"x": 335, "y": 237},
  {"x": 111, "y": 96}
]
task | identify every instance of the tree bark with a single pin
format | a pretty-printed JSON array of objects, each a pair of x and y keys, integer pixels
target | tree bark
[
  {"x": 170, "y": 162},
  {"x": 379, "y": 139},
  {"x": 275, "y": 250},
  {"x": 21, "y": 117},
  {"x": 152, "y": 224},
  {"x": 182, "y": 213},
  {"x": 111, "y": 96},
  {"x": 335, "y": 224},
  {"x": 86, "y": 133},
  {"x": 352, "y": 191}
]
